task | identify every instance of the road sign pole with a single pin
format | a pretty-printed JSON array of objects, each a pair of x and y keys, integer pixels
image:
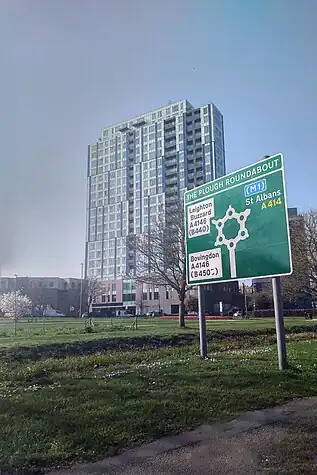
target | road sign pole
[
  {"x": 202, "y": 321},
  {"x": 279, "y": 323}
]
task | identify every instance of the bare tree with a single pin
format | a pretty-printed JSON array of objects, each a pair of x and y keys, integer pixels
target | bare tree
[
  {"x": 262, "y": 300},
  {"x": 303, "y": 230},
  {"x": 92, "y": 289},
  {"x": 191, "y": 303},
  {"x": 139, "y": 302},
  {"x": 160, "y": 255},
  {"x": 303, "y": 281},
  {"x": 39, "y": 303}
]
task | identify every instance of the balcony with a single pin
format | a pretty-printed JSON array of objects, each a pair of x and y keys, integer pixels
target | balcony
[
  {"x": 170, "y": 144},
  {"x": 170, "y": 162},
  {"x": 170, "y": 153},
  {"x": 171, "y": 199},
  {"x": 171, "y": 181},
  {"x": 171, "y": 190},
  {"x": 169, "y": 128},
  {"x": 171, "y": 170},
  {"x": 169, "y": 134},
  {"x": 124, "y": 128},
  {"x": 139, "y": 122}
]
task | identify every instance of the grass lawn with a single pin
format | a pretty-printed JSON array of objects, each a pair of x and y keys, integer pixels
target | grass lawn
[
  {"x": 51, "y": 330},
  {"x": 56, "y": 409}
]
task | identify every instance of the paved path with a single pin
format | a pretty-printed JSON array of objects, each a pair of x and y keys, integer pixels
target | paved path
[{"x": 245, "y": 446}]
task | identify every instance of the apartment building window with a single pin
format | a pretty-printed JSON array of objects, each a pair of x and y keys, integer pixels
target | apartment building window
[
  {"x": 103, "y": 298},
  {"x": 167, "y": 294},
  {"x": 128, "y": 297}
]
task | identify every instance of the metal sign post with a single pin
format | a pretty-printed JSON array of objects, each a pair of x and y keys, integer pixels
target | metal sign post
[
  {"x": 279, "y": 323},
  {"x": 202, "y": 321}
]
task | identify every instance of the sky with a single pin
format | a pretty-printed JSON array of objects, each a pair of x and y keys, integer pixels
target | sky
[{"x": 70, "y": 68}]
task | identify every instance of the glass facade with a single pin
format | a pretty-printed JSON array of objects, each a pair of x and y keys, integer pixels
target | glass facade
[{"x": 137, "y": 169}]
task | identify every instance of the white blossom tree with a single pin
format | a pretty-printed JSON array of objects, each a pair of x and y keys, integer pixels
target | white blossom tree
[{"x": 15, "y": 305}]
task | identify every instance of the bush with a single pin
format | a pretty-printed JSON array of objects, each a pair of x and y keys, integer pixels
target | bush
[{"x": 294, "y": 312}]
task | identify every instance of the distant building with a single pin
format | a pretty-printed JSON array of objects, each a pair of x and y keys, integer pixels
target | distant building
[
  {"x": 49, "y": 292},
  {"x": 136, "y": 170},
  {"x": 292, "y": 212},
  {"x": 228, "y": 294},
  {"x": 124, "y": 295}
]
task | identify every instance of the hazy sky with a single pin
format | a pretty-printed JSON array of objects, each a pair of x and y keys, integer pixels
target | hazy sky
[{"x": 71, "y": 67}]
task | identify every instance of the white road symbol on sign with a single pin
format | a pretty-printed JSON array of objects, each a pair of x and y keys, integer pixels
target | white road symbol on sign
[{"x": 231, "y": 244}]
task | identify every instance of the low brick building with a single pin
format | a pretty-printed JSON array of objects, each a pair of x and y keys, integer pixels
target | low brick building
[{"x": 49, "y": 292}]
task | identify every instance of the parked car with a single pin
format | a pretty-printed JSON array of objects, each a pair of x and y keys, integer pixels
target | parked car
[
  {"x": 52, "y": 313},
  {"x": 238, "y": 313},
  {"x": 232, "y": 311},
  {"x": 153, "y": 314},
  {"x": 123, "y": 313}
]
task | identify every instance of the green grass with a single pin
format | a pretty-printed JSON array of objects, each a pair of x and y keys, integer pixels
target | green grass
[
  {"x": 56, "y": 409},
  {"x": 67, "y": 330}
]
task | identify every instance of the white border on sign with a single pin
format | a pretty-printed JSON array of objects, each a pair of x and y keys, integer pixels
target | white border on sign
[
  {"x": 227, "y": 189},
  {"x": 197, "y": 200}
]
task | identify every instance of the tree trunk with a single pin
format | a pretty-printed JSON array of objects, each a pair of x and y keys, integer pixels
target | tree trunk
[{"x": 182, "y": 312}]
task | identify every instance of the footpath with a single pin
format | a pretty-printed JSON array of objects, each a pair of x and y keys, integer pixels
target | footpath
[{"x": 281, "y": 440}]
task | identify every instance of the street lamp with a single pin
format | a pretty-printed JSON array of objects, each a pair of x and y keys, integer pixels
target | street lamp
[
  {"x": 81, "y": 289},
  {"x": 245, "y": 300},
  {"x": 15, "y": 304}
]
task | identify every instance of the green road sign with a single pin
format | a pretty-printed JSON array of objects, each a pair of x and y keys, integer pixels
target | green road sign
[{"x": 237, "y": 226}]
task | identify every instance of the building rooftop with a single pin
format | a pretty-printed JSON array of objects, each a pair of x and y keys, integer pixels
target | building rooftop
[{"x": 171, "y": 109}]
